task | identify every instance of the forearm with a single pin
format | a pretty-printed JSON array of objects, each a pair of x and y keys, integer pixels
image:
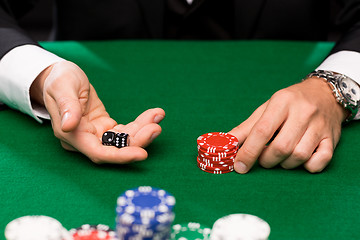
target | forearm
[{"x": 18, "y": 70}]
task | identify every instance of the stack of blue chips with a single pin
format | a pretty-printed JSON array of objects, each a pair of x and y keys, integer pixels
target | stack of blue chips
[{"x": 144, "y": 213}]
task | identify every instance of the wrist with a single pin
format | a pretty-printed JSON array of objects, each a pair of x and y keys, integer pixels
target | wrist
[
  {"x": 37, "y": 87},
  {"x": 324, "y": 91},
  {"x": 345, "y": 90}
]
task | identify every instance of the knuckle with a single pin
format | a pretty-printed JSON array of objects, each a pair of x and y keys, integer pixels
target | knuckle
[
  {"x": 63, "y": 102},
  {"x": 280, "y": 149},
  {"x": 283, "y": 94},
  {"x": 263, "y": 129},
  {"x": 326, "y": 156},
  {"x": 250, "y": 154},
  {"x": 308, "y": 110},
  {"x": 299, "y": 155},
  {"x": 321, "y": 163},
  {"x": 286, "y": 166},
  {"x": 266, "y": 164}
]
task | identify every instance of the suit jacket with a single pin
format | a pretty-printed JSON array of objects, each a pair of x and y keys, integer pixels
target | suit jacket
[{"x": 144, "y": 19}]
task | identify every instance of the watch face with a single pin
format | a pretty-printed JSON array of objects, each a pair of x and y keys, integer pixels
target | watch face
[{"x": 350, "y": 90}]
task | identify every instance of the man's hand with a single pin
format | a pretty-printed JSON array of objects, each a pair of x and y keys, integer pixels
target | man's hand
[
  {"x": 304, "y": 123},
  {"x": 79, "y": 118}
]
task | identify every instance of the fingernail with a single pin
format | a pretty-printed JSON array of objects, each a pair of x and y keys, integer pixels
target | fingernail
[
  {"x": 65, "y": 118},
  {"x": 155, "y": 135},
  {"x": 158, "y": 118},
  {"x": 240, "y": 167}
]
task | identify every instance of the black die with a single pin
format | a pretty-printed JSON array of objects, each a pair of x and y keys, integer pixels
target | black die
[
  {"x": 121, "y": 140},
  {"x": 108, "y": 138}
]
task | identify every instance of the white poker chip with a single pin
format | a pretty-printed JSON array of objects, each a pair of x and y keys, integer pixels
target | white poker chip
[
  {"x": 240, "y": 227},
  {"x": 36, "y": 227}
]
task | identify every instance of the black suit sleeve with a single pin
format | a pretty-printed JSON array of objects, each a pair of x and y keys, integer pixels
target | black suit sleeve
[
  {"x": 349, "y": 18},
  {"x": 11, "y": 35}
]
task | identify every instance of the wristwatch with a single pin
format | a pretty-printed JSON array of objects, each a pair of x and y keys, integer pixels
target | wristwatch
[{"x": 345, "y": 90}]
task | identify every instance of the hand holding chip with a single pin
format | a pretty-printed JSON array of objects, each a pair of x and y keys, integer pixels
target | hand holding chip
[
  {"x": 79, "y": 118},
  {"x": 303, "y": 123}
]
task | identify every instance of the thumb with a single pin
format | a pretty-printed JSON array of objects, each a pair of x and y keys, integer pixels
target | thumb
[
  {"x": 70, "y": 111},
  {"x": 66, "y": 95},
  {"x": 241, "y": 132},
  {"x": 242, "y": 162}
]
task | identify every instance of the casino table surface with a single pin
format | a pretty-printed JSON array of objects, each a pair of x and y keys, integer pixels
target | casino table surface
[{"x": 204, "y": 86}]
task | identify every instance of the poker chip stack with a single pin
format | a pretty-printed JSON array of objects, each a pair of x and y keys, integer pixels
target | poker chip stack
[
  {"x": 216, "y": 152},
  {"x": 36, "y": 227},
  {"x": 240, "y": 226},
  {"x": 190, "y": 231},
  {"x": 144, "y": 213},
  {"x": 93, "y": 232}
]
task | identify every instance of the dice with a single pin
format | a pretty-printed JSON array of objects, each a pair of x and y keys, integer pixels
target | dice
[
  {"x": 118, "y": 140},
  {"x": 121, "y": 140},
  {"x": 108, "y": 138}
]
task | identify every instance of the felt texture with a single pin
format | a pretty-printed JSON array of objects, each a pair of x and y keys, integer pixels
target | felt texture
[{"x": 203, "y": 86}]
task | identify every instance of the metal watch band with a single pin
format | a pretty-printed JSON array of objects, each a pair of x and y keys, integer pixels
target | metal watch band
[{"x": 333, "y": 80}]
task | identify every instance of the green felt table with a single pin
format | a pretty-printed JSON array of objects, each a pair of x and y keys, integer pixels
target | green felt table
[{"x": 203, "y": 87}]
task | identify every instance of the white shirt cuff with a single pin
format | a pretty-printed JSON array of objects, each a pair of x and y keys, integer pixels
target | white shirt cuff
[
  {"x": 18, "y": 69},
  {"x": 344, "y": 62}
]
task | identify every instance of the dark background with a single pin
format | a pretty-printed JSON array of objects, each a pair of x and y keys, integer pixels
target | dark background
[{"x": 38, "y": 22}]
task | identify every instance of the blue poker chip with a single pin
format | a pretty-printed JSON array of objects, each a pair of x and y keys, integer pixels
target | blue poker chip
[
  {"x": 126, "y": 227},
  {"x": 129, "y": 232},
  {"x": 129, "y": 220},
  {"x": 143, "y": 235},
  {"x": 144, "y": 213},
  {"x": 145, "y": 201}
]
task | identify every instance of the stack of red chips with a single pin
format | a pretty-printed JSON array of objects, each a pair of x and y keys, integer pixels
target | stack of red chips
[
  {"x": 93, "y": 232},
  {"x": 216, "y": 152}
]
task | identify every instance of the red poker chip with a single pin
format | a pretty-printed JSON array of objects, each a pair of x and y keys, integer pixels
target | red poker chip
[
  {"x": 216, "y": 171},
  {"x": 215, "y": 164},
  {"x": 217, "y": 142},
  {"x": 222, "y": 168},
  {"x": 216, "y": 161},
  {"x": 93, "y": 232},
  {"x": 219, "y": 155}
]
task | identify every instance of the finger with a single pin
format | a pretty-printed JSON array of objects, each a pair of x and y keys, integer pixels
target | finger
[
  {"x": 271, "y": 120},
  {"x": 321, "y": 157},
  {"x": 90, "y": 145},
  {"x": 284, "y": 143},
  {"x": 242, "y": 131},
  {"x": 303, "y": 150},
  {"x": 154, "y": 115},
  {"x": 146, "y": 135}
]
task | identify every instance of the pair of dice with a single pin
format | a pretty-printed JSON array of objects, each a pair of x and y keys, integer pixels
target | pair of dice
[{"x": 118, "y": 140}]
